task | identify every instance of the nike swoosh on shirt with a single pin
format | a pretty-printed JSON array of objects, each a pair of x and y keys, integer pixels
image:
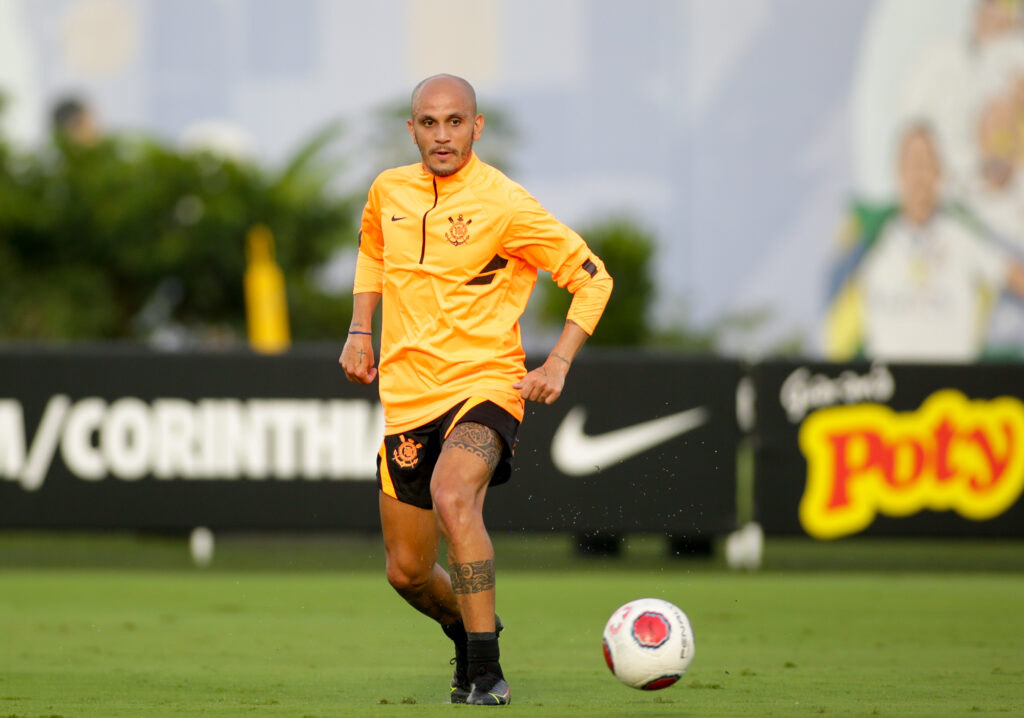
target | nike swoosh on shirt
[
  {"x": 396, "y": 219},
  {"x": 577, "y": 454}
]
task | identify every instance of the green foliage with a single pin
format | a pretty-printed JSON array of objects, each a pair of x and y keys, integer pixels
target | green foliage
[
  {"x": 627, "y": 251},
  {"x": 112, "y": 240},
  {"x": 129, "y": 236},
  {"x": 724, "y": 335}
]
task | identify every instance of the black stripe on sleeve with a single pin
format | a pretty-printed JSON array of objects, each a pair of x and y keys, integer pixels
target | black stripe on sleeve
[{"x": 590, "y": 268}]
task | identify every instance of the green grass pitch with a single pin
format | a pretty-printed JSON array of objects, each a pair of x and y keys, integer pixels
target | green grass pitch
[{"x": 116, "y": 626}]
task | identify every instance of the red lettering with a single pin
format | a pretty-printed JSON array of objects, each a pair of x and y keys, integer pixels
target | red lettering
[
  {"x": 997, "y": 464},
  {"x": 893, "y": 465},
  {"x": 874, "y": 456},
  {"x": 944, "y": 434}
]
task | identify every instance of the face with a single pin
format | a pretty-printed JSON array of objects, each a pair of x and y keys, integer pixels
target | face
[
  {"x": 993, "y": 18},
  {"x": 920, "y": 175},
  {"x": 84, "y": 130},
  {"x": 998, "y": 128},
  {"x": 444, "y": 126}
]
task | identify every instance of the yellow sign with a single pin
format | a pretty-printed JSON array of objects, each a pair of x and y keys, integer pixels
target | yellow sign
[
  {"x": 951, "y": 454},
  {"x": 266, "y": 307}
]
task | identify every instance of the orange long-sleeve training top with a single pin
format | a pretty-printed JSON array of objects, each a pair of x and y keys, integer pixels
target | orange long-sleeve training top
[{"x": 455, "y": 259}]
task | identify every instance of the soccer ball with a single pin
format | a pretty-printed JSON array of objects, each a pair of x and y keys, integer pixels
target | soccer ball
[{"x": 648, "y": 643}]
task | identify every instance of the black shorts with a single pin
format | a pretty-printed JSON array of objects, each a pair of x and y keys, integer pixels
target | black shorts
[{"x": 405, "y": 462}]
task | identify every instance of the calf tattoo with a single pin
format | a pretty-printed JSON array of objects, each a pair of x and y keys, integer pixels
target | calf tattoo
[
  {"x": 472, "y": 577},
  {"x": 477, "y": 439}
]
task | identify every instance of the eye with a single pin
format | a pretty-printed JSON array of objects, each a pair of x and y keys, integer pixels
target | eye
[{"x": 456, "y": 121}]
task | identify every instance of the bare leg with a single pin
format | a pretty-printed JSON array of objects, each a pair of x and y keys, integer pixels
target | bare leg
[
  {"x": 411, "y": 540},
  {"x": 458, "y": 487}
]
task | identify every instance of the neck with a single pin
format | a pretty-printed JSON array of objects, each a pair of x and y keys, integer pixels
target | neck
[{"x": 919, "y": 216}]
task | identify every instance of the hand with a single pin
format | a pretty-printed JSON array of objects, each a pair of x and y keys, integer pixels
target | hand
[
  {"x": 545, "y": 383},
  {"x": 357, "y": 359}
]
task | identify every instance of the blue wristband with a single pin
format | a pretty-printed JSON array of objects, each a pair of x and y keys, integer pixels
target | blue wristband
[{"x": 352, "y": 331}]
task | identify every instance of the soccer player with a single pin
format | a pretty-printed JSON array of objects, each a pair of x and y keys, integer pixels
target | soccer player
[{"x": 450, "y": 248}]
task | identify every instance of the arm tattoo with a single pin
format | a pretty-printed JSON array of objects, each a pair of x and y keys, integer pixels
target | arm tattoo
[
  {"x": 479, "y": 440},
  {"x": 472, "y": 577},
  {"x": 559, "y": 356}
]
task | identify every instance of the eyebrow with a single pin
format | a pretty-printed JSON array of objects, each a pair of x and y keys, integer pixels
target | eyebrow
[{"x": 427, "y": 116}]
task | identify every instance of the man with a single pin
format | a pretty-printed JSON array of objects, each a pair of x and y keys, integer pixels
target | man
[
  {"x": 995, "y": 192},
  {"x": 925, "y": 277},
  {"x": 75, "y": 122},
  {"x": 450, "y": 247}
]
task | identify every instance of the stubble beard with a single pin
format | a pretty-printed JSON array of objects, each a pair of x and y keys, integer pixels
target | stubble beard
[{"x": 460, "y": 157}]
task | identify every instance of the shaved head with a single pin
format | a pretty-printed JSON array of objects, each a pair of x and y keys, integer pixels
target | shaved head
[{"x": 451, "y": 81}]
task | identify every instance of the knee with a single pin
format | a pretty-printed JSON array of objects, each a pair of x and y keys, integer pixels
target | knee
[
  {"x": 453, "y": 506},
  {"x": 407, "y": 576}
]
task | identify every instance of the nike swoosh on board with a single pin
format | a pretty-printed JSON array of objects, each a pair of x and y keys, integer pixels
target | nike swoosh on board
[{"x": 577, "y": 454}]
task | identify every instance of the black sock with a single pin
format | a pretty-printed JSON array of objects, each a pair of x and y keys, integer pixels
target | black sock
[
  {"x": 456, "y": 631},
  {"x": 484, "y": 654}
]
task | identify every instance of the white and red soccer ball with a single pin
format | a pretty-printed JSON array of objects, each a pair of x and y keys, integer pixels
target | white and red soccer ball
[{"x": 648, "y": 643}]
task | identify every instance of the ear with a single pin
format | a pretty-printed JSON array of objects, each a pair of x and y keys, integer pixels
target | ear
[
  {"x": 412, "y": 132},
  {"x": 478, "y": 127}
]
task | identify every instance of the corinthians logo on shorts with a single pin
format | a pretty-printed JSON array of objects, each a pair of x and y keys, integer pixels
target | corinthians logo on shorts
[
  {"x": 407, "y": 455},
  {"x": 458, "y": 233}
]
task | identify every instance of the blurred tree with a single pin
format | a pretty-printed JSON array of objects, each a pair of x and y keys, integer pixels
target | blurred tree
[
  {"x": 627, "y": 250},
  {"x": 128, "y": 236},
  {"x": 731, "y": 334}
]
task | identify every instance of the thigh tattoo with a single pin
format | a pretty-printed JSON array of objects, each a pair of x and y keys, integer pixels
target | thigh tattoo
[
  {"x": 477, "y": 439},
  {"x": 472, "y": 577}
]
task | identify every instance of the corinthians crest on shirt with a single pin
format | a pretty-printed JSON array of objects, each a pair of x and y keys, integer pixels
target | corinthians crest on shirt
[
  {"x": 406, "y": 454},
  {"x": 458, "y": 232}
]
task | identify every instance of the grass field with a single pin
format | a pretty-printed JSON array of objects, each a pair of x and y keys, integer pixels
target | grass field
[{"x": 124, "y": 626}]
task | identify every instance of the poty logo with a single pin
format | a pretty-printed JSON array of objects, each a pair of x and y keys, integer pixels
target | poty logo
[
  {"x": 651, "y": 629},
  {"x": 169, "y": 438},
  {"x": 951, "y": 454}
]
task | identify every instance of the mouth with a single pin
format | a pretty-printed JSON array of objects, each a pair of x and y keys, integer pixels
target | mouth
[{"x": 443, "y": 153}]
